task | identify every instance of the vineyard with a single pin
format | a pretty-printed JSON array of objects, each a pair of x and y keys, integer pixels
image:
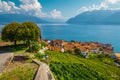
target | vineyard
[{"x": 73, "y": 67}]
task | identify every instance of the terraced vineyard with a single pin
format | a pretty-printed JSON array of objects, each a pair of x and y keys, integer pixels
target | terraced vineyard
[{"x": 71, "y": 67}]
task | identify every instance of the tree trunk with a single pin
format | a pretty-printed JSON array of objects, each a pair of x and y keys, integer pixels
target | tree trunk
[
  {"x": 15, "y": 42},
  {"x": 28, "y": 43}
]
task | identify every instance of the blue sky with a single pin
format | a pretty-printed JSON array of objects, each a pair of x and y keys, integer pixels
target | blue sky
[
  {"x": 67, "y": 7},
  {"x": 56, "y": 9}
]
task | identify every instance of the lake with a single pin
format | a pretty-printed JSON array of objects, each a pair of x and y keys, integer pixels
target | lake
[{"x": 97, "y": 33}]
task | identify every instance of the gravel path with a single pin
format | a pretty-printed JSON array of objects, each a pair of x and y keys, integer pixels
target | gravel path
[{"x": 5, "y": 58}]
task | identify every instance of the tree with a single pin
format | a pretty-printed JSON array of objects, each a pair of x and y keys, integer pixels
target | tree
[
  {"x": 27, "y": 31},
  {"x": 30, "y": 32},
  {"x": 77, "y": 51},
  {"x": 10, "y": 32}
]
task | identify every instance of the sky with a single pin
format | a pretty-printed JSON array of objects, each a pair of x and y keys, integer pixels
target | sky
[{"x": 56, "y": 9}]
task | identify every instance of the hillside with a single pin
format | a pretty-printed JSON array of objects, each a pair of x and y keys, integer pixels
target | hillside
[
  {"x": 7, "y": 18},
  {"x": 96, "y": 17},
  {"x": 71, "y": 67}
]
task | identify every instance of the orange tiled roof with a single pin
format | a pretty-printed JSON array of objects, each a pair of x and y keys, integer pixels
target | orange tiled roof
[{"x": 117, "y": 55}]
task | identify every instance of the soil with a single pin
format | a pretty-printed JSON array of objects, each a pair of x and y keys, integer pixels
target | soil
[{"x": 5, "y": 43}]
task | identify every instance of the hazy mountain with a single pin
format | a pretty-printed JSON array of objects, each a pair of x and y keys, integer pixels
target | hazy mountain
[
  {"x": 96, "y": 17},
  {"x": 7, "y": 18}
]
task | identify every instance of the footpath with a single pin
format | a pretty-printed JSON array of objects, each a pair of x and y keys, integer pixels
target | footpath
[
  {"x": 5, "y": 58},
  {"x": 44, "y": 72}
]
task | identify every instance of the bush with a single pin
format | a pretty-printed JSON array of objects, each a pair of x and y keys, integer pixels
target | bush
[
  {"x": 77, "y": 51},
  {"x": 69, "y": 51},
  {"x": 92, "y": 56},
  {"x": 39, "y": 55},
  {"x": 103, "y": 56},
  {"x": 43, "y": 44},
  {"x": 81, "y": 55},
  {"x": 34, "y": 48}
]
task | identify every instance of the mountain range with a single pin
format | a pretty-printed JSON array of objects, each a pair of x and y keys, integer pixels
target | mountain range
[
  {"x": 96, "y": 17},
  {"x": 7, "y": 18}
]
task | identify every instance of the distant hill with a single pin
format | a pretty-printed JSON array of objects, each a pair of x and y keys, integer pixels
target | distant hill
[
  {"x": 7, "y": 18},
  {"x": 96, "y": 17}
]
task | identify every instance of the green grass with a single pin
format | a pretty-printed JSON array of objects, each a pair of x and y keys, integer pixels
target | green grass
[
  {"x": 0, "y": 39},
  {"x": 25, "y": 72},
  {"x": 13, "y": 48},
  {"x": 71, "y": 67}
]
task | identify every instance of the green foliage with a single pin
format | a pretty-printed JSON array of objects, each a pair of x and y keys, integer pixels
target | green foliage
[
  {"x": 34, "y": 48},
  {"x": 25, "y": 72},
  {"x": 81, "y": 55},
  {"x": 10, "y": 32},
  {"x": 12, "y": 48},
  {"x": 77, "y": 51},
  {"x": 72, "y": 67},
  {"x": 69, "y": 51},
  {"x": 102, "y": 55},
  {"x": 39, "y": 55},
  {"x": 27, "y": 31},
  {"x": 43, "y": 44},
  {"x": 30, "y": 32},
  {"x": 105, "y": 58},
  {"x": 0, "y": 39}
]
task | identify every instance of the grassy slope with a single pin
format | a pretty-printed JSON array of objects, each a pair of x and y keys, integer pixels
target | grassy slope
[
  {"x": 71, "y": 67},
  {"x": 21, "y": 72}
]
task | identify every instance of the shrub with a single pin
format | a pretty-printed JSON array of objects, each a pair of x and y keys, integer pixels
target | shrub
[
  {"x": 103, "y": 56},
  {"x": 39, "y": 55},
  {"x": 43, "y": 44},
  {"x": 77, "y": 51},
  {"x": 69, "y": 51},
  {"x": 34, "y": 48},
  {"x": 81, "y": 55}
]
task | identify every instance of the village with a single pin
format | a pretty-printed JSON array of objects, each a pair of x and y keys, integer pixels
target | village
[{"x": 84, "y": 47}]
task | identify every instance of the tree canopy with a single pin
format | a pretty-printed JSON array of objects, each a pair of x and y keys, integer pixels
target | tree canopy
[
  {"x": 10, "y": 32},
  {"x": 27, "y": 31}
]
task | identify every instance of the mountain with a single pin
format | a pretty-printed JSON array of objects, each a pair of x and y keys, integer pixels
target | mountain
[
  {"x": 7, "y": 18},
  {"x": 96, "y": 17},
  {"x": 52, "y": 20}
]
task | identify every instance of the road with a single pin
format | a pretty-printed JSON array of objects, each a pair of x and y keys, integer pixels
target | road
[{"x": 5, "y": 58}]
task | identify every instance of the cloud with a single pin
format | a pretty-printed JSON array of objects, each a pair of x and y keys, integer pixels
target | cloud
[
  {"x": 112, "y": 1},
  {"x": 56, "y": 14},
  {"x": 7, "y": 7},
  {"x": 29, "y": 7},
  {"x": 32, "y": 7},
  {"x": 105, "y": 5}
]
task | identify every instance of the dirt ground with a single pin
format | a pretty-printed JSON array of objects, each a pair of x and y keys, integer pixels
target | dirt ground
[{"x": 5, "y": 43}]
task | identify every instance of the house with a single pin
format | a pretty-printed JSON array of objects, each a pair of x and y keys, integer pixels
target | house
[
  {"x": 94, "y": 47},
  {"x": 94, "y": 50},
  {"x": 85, "y": 54},
  {"x": 117, "y": 55},
  {"x": 58, "y": 43}
]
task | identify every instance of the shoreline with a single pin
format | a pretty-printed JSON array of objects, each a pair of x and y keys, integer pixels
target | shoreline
[{"x": 97, "y": 47}]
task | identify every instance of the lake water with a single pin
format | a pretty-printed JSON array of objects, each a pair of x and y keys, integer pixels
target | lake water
[{"x": 97, "y": 33}]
